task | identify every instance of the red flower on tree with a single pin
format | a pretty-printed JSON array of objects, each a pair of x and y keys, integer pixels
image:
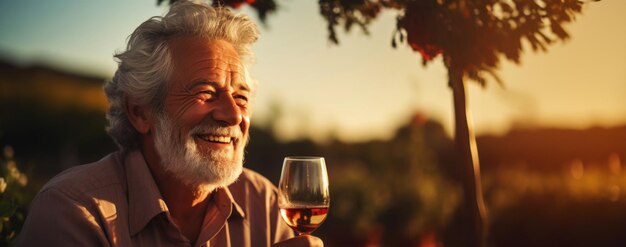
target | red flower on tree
[
  {"x": 237, "y": 3},
  {"x": 421, "y": 31}
]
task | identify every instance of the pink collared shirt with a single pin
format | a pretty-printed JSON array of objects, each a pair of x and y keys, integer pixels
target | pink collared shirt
[{"x": 115, "y": 202}]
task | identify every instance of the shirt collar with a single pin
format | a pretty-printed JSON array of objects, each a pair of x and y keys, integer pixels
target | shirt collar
[
  {"x": 144, "y": 198},
  {"x": 238, "y": 209}
]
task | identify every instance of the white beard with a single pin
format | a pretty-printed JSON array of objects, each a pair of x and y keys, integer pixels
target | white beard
[{"x": 202, "y": 171}]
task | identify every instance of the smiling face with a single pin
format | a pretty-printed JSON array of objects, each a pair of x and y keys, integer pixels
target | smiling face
[{"x": 202, "y": 133}]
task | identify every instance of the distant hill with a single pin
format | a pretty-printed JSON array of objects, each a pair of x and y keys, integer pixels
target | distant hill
[
  {"x": 552, "y": 149},
  {"x": 55, "y": 88}
]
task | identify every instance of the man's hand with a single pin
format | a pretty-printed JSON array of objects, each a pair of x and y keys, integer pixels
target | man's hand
[{"x": 301, "y": 241}]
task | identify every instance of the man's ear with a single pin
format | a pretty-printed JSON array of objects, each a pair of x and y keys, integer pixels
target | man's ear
[{"x": 139, "y": 116}]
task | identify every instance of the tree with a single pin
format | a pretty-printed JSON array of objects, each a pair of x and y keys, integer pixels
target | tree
[{"x": 471, "y": 36}]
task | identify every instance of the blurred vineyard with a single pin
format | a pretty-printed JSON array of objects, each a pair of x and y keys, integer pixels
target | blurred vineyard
[{"x": 543, "y": 187}]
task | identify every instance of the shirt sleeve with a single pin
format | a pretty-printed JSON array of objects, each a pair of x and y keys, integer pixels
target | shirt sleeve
[{"x": 55, "y": 219}]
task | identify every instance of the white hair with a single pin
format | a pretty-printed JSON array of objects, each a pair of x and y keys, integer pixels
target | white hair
[{"x": 144, "y": 68}]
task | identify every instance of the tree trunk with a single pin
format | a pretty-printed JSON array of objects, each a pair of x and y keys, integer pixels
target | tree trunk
[{"x": 469, "y": 228}]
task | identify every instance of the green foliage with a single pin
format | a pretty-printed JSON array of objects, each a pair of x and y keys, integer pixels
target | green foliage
[
  {"x": 390, "y": 192},
  {"x": 471, "y": 35},
  {"x": 351, "y": 12},
  {"x": 14, "y": 198},
  {"x": 586, "y": 205}
]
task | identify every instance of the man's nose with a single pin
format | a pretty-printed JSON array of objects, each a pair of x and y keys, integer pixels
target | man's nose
[{"x": 227, "y": 111}]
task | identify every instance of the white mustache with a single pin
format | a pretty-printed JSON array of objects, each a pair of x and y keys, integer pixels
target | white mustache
[{"x": 209, "y": 129}]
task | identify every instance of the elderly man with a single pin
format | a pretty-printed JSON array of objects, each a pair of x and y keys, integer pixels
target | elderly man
[{"x": 180, "y": 112}]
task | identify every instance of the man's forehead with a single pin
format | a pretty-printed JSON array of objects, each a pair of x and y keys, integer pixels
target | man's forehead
[
  {"x": 207, "y": 59},
  {"x": 222, "y": 63},
  {"x": 214, "y": 48},
  {"x": 217, "y": 67}
]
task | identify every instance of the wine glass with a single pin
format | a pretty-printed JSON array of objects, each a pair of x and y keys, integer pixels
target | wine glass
[{"x": 303, "y": 193}]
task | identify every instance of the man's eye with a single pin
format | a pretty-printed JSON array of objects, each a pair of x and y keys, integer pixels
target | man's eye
[
  {"x": 206, "y": 94},
  {"x": 241, "y": 100}
]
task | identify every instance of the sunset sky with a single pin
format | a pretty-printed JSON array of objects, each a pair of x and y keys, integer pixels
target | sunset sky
[{"x": 363, "y": 88}]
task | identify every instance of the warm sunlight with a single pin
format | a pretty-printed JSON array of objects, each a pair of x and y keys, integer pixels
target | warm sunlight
[{"x": 550, "y": 139}]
